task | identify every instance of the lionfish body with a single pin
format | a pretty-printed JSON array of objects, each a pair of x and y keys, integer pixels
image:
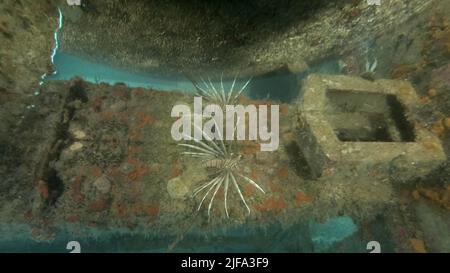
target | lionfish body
[{"x": 230, "y": 164}]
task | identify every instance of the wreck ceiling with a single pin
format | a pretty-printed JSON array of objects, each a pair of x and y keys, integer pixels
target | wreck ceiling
[
  {"x": 224, "y": 36},
  {"x": 179, "y": 37}
]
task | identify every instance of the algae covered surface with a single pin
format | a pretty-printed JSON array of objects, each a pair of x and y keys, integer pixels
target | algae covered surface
[{"x": 90, "y": 156}]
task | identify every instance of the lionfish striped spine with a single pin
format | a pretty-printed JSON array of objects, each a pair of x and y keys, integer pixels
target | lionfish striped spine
[{"x": 219, "y": 95}]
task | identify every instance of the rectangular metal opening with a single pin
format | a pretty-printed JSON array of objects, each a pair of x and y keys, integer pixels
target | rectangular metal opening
[{"x": 358, "y": 116}]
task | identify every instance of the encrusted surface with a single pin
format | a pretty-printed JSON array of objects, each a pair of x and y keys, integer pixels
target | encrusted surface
[{"x": 413, "y": 157}]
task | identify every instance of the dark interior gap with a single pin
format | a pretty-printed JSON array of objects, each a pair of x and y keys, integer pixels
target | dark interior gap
[
  {"x": 279, "y": 85},
  {"x": 406, "y": 129},
  {"x": 358, "y": 116},
  {"x": 50, "y": 175}
]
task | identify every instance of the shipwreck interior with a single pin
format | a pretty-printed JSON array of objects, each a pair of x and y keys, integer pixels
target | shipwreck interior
[{"x": 86, "y": 152}]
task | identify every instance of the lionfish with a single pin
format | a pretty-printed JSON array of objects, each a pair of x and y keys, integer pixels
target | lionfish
[{"x": 215, "y": 154}]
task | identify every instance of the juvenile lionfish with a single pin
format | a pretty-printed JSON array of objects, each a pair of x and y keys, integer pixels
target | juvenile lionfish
[
  {"x": 215, "y": 154},
  {"x": 225, "y": 166}
]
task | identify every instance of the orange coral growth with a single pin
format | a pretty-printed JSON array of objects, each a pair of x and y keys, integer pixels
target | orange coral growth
[
  {"x": 272, "y": 204},
  {"x": 96, "y": 171},
  {"x": 243, "y": 100},
  {"x": 76, "y": 194},
  {"x": 438, "y": 128},
  {"x": 250, "y": 148},
  {"x": 404, "y": 91},
  {"x": 140, "y": 169},
  {"x": 43, "y": 189},
  {"x": 419, "y": 126},
  {"x": 254, "y": 175},
  {"x": 138, "y": 91},
  {"x": 439, "y": 196},
  {"x": 115, "y": 172},
  {"x": 446, "y": 122},
  {"x": 98, "y": 206},
  {"x": 73, "y": 218},
  {"x": 247, "y": 190},
  {"x": 220, "y": 194},
  {"x": 153, "y": 211},
  {"x": 132, "y": 160},
  {"x": 175, "y": 170},
  {"x": 328, "y": 171},
  {"x": 144, "y": 120},
  {"x": 430, "y": 145},
  {"x": 417, "y": 245},
  {"x": 284, "y": 109},
  {"x": 415, "y": 194},
  {"x": 403, "y": 71},
  {"x": 432, "y": 93},
  {"x": 283, "y": 173},
  {"x": 301, "y": 199},
  {"x": 120, "y": 92}
]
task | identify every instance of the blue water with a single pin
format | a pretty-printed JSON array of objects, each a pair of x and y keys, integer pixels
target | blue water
[
  {"x": 69, "y": 66},
  {"x": 298, "y": 237},
  {"x": 331, "y": 232}
]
